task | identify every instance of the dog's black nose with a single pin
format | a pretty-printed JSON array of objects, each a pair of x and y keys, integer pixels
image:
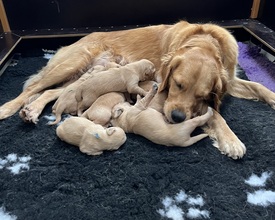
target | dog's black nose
[{"x": 178, "y": 116}]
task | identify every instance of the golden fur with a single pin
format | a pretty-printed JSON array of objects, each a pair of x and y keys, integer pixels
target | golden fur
[
  {"x": 66, "y": 94},
  {"x": 122, "y": 79},
  {"x": 148, "y": 122},
  {"x": 100, "y": 111},
  {"x": 91, "y": 138},
  {"x": 195, "y": 62}
]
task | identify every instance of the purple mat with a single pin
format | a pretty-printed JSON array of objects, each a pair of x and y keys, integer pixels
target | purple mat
[{"x": 257, "y": 67}]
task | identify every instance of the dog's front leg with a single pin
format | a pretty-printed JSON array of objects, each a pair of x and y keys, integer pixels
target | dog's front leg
[
  {"x": 224, "y": 138},
  {"x": 31, "y": 111}
]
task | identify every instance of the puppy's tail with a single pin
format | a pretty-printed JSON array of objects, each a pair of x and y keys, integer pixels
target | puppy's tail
[{"x": 57, "y": 120}]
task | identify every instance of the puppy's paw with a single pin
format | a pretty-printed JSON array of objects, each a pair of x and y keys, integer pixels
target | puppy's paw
[
  {"x": 210, "y": 111},
  {"x": 155, "y": 87},
  {"x": 233, "y": 147}
]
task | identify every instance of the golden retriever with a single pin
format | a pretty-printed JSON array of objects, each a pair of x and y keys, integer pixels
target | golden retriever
[
  {"x": 148, "y": 122},
  {"x": 196, "y": 64}
]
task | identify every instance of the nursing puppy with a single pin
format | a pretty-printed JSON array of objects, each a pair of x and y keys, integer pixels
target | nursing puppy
[
  {"x": 66, "y": 102},
  {"x": 100, "y": 111},
  {"x": 143, "y": 120},
  {"x": 91, "y": 138},
  {"x": 123, "y": 79},
  {"x": 66, "y": 97}
]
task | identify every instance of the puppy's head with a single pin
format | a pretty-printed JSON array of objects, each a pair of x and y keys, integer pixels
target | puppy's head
[
  {"x": 117, "y": 135},
  {"x": 148, "y": 69},
  {"x": 194, "y": 80},
  {"x": 118, "y": 112}
]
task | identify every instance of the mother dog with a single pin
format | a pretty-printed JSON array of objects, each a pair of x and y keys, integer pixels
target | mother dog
[{"x": 196, "y": 65}]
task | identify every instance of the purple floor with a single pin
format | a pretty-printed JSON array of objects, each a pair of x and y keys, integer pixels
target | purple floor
[{"x": 257, "y": 67}]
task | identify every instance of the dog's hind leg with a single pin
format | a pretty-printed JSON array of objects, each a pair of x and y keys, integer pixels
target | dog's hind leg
[
  {"x": 63, "y": 66},
  {"x": 194, "y": 139},
  {"x": 251, "y": 90},
  {"x": 143, "y": 103},
  {"x": 199, "y": 120}
]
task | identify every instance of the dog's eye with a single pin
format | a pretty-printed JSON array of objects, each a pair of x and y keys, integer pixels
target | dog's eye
[{"x": 180, "y": 86}]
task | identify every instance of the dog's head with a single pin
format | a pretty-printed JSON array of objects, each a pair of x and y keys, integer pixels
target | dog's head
[{"x": 194, "y": 79}]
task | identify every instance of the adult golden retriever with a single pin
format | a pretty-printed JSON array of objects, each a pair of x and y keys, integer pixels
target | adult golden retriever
[{"x": 196, "y": 64}]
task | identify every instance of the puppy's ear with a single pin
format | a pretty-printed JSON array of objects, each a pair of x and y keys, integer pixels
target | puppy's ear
[
  {"x": 117, "y": 112},
  {"x": 164, "y": 71},
  {"x": 110, "y": 131}
]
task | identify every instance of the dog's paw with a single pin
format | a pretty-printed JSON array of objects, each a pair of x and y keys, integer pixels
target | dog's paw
[
  {"x": 29, "y": 114},
  {"x": 232, "y": 148},
  {"x": 272, "y": 104},
  {"x": 155, "y": 87},
  {"x": 210, "y": 111}
]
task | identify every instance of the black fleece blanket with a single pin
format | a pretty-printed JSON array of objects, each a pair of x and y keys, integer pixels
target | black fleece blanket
[{"x": 42, "y": 177}]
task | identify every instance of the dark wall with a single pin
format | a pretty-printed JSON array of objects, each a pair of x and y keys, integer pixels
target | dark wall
[
  {"x": 44, "y": 14},
  {"x": 267, "y": 13}
]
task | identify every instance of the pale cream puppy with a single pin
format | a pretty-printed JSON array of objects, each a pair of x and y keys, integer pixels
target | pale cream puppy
[
  {"x": 66, "y": 102},
  {"x": 100, "y": 111},
  {"x": 91, "y": 138},
  {"x": 122, "y": 79},
  {"x": 145, "y": 121}
]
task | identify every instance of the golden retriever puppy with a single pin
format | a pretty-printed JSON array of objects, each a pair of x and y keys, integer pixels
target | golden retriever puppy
[
  {"x": 143, "y": 120},
  {"x": 100, "y": 111},
  {"x": 123, "y": 79},
  {"x": 66, "y": 102},
  {"x": 91, "y": 138}
]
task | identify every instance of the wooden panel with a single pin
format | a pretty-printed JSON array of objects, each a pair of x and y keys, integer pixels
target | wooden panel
[
  {"x": 255, "y": 9},
  {"x": 3, "y": 18}
]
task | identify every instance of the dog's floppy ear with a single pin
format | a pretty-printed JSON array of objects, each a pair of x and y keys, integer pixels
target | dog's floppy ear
[
  {"x": 117, "y": 112},
  {"x": 218, "y": 92},
  {"x": 165, "y": 70}
]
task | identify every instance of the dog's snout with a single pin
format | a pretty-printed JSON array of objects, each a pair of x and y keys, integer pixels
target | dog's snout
[{"x": 178, "y": 116}]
